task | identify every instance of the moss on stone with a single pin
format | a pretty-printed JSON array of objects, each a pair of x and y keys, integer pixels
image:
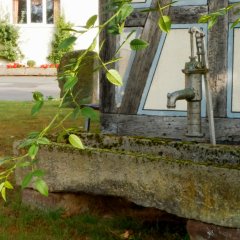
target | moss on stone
[{"x": 212, "y": 153}]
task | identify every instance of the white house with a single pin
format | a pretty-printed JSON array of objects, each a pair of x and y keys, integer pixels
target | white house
[{"x": 35, "y": 19}]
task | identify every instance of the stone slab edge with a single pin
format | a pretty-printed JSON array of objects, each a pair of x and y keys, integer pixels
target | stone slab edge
[{"x": 206, "y": 193}]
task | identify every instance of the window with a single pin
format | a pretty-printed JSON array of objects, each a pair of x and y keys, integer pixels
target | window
[{"x": 35, "y": 11}]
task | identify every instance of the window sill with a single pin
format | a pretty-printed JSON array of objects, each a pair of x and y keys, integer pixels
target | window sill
[
  {"x": 36, "y": 71},
  {"x": 31, "y": 25}
]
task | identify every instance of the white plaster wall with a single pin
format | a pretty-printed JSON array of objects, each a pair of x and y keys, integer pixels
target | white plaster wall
[
  {"x": 168, "y": 75},
  {"x": 35, "y": 42},
  {"x": 236, "y": 72},
  {"x": 126, "y": 56},
  {"x": 35, "y": 39},
  {"x": 78, "y": 12},
  {"x": 5, "y": 9}
]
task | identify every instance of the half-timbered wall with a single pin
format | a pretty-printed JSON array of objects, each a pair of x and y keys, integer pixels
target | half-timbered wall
[{"x": 139, "y": 106}]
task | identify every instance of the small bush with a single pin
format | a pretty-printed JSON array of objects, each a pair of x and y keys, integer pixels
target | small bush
[
  {"x": 59, "y": 36},
  {"x": 31, "y": 63},
  {"x": 9, "y": 36}
]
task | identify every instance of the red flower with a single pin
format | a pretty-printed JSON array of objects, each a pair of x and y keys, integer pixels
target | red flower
[{"x": 14, "y": 65}]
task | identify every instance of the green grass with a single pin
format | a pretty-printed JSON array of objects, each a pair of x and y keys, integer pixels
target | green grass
[
  {"x": 18, "y": 222},
  {"x": 16, "y": 121},
  {"x": 21, "y": 223}
]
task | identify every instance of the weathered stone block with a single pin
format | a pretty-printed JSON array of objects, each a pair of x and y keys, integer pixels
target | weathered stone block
[
  {"x": 86, "y": 89},
  {"x": 189, "y": 180},
  {"x": 203, "y": 231}
]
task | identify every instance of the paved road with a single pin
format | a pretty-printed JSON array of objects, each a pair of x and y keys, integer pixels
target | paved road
[{"x": 21, "y": 88}]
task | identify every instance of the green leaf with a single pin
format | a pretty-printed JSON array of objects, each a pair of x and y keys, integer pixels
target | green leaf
[
  {"x": 38, "y": 96},
  {"x": 26, "y": 180},
  {"x": 204, "y": 19},
  {"x": 212, "y": 22},
  {"x": 113, "y": 29},
  {"x": 26, "y": 143},
  {"x": 41, "y": 186},
  {"x": 125, "y": 11},
  {"x": 116, "y": 26},
  {"x": 43, "y": 141},
  {"x": 91, "y": 21},
  {"x": 93, "y": 45},
  {"x": 66, "y": 43},
  {"x": 36, "y": 107},
  {"x": 8, "y": 185},
  {"x": 1, "y": 186},
  {"x": 38, "y": 173},
  {"x": 33, "y": 150},
  {"x": 75, "y": 141},
  {"x": 76, "y": 113},
  {"x": 33, "y": 134},
  {"x": 114, "y": 77},
  {"x": 138, "y": 44},
  {"x": 3, "y": 192},
  {"x": 88, "y": 112},
  {"x": 235, "y": 23},
  {"x": 165, "y": 23},
  {"x": 70, "y": 83}
]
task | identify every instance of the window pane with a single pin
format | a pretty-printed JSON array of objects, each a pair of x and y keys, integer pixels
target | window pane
[
  {"x": 36, "y": 11},
  {"x": 22, "y": 11},
  {"x": 50, "y": 10}
]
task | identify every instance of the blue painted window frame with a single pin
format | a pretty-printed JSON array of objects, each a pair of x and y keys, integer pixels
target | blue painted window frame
[
  {"x": 139, "y": 31},
  {"x": 192, "y": 3},
  {"x": 230, "y": 113},
  {"x": 146, "y": 4},
  {"x": 173, "y": 113}
]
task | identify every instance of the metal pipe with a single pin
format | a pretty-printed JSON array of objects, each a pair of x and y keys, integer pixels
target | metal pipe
[
  {"x": 187, "y": 94},
  {"x": 201, "y": 51}
]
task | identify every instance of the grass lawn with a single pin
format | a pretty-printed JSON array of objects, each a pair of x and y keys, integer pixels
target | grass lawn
[
  {"x": 18, "y": 222},
  {"x": 16, "y": 121}
]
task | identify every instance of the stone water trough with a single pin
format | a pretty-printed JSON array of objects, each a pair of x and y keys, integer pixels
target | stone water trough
[{"x": 190, "y": 180}]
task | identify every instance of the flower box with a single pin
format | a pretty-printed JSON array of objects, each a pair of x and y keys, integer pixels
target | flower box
[{"x": 28, "y": 71}]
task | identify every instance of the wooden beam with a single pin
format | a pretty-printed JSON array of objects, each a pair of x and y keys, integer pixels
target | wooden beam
[
  {"x": 227, "y": 130},
  {"x": 107, "y": 90},
  {"x": 217, "y": 55},
  {"x": 56, "y": 10},
  {"x": 142, "y": 63},
  {"x": 137, "y": 19},
  {"x": 187, "y": 14},
  {"x": 15, "y": 11}
]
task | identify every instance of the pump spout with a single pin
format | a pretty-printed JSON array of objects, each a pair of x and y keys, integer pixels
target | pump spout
[{"x": 187, "y": 94}]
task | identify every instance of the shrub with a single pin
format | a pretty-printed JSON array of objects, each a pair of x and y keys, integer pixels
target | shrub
[
  {"x": 31, "y": 63},
  {"x": 9, "y": 36},
  {"x": 59, "y": 36}
]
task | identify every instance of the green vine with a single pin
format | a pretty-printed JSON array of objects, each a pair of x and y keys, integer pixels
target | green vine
[
  {"x": 118, "y": 11},
  {"x": 9, "y": 36}
]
